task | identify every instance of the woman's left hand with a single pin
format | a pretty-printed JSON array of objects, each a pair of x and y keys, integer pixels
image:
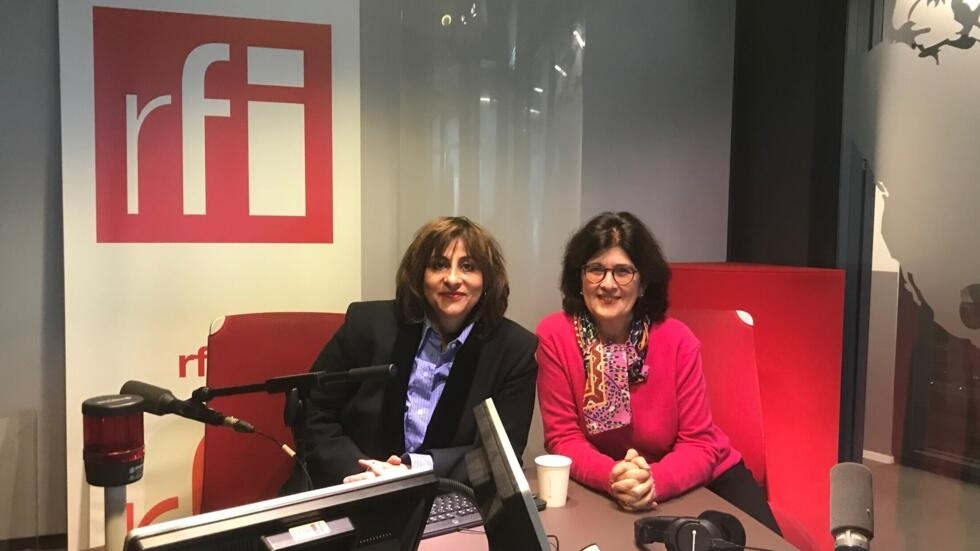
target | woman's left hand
[
  {"x": 631, "y": 483},
  {"x": 638, "y": 498}
]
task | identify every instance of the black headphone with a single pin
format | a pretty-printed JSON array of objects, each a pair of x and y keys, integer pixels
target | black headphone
[{"x": 711, "y": 531}]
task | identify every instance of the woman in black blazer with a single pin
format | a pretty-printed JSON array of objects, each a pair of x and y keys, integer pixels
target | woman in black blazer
[{"x": 452, "y": 347}]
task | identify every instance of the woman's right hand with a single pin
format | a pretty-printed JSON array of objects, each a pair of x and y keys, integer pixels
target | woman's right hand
[
  {"x": 373, "y": 468},
  {"x": 630, "y": 483}
]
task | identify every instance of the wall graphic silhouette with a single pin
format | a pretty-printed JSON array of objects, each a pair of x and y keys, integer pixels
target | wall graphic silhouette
[{"x": 914, "y": 99}]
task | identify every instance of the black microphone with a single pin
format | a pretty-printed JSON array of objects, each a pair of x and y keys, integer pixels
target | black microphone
[
  {"x": 160, "y": 401},
  {"x": 852, "y": 521},
  {"x": 358, "y": 374}
]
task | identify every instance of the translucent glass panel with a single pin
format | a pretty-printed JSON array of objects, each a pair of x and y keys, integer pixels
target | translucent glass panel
[
  {"x": 18, "y": 479},
  {"x": 474, "y": 109},
  {"x": 923, "y": 392}
]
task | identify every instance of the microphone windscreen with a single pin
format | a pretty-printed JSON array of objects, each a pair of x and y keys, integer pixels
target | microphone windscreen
[
  {"x": 851, "y": 499},
  {"x": 156, "y": 400}
]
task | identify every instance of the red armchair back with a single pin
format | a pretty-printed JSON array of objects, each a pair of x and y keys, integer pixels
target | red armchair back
[
  {"x": 729, "y": 361},
  {"x": 798, "y": 336},
  {"x": 728, "y": 357},
  {"x": 247, "y": 349}
]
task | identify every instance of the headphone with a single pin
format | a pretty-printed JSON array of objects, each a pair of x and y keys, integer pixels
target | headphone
[{"x": 711, "y": 531}]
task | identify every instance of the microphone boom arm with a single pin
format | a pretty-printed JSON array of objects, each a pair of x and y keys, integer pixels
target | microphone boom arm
[
  {"x": 296, "y": 391},
  {"x": 302, "y": 382}
]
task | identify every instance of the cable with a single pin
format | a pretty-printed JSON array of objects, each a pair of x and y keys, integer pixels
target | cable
[
  {"x": 450, "y": 485},
  {"x": 292, "y": 454},
  {"x": 557, "y": 546},
  {"x": 724, "y": 545}
]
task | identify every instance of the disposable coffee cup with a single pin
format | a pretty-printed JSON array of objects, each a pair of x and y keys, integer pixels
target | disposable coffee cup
[{"x": 553, "y": 473}]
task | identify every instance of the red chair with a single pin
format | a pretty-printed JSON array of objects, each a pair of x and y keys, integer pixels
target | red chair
[
  {"x": 728, "y": 358},
  {"x": 246, "y": 349},
  {"x": 798, "y": 334}
]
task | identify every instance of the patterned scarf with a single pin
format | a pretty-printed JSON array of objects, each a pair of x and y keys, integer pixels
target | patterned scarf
[{"x": 610, "y": 369}]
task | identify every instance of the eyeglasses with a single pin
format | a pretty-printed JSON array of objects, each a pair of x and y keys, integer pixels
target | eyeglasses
[{"x": 622, "y": 275}]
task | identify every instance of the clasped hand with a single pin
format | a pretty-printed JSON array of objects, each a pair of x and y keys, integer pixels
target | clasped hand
[
  {"x": 631, "y": 484},
  {"x": 373, "y": 468}
]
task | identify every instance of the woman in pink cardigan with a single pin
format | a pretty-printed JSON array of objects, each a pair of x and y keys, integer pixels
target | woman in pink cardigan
[{"x": 620, "y": 386}]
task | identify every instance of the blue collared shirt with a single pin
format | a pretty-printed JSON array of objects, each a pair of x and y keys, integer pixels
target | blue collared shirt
[{"x": 425, "y": 385}]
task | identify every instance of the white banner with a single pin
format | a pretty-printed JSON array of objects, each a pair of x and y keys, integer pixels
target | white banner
[{"x": 211, "y": 166}]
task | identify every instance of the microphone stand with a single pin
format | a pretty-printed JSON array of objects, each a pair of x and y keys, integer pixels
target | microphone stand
[{"x": 296, "y": 390}]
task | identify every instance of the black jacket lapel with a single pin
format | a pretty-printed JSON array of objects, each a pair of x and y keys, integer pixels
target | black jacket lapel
[
  {"x": 446, "y": 418},
  {"x": 393, "y": 410}
]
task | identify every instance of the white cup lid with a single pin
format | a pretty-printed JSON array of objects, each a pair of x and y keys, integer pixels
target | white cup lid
[{"x": 553, "y": 460}]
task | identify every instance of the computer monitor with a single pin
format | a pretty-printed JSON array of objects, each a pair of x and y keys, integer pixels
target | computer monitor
[
  {"x": 379, "y": 514},
  {"x": 510, "y": 517}
]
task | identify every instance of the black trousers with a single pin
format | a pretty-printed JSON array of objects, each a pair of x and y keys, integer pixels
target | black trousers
[{"x": 736, "y": 486}]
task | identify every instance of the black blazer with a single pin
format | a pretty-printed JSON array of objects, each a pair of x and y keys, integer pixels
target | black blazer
[{"x": 351, "y": 421}]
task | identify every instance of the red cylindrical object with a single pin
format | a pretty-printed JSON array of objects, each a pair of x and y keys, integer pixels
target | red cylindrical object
[{"x": 113, "y": 439}]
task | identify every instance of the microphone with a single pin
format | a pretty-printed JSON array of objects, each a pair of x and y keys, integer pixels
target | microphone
[
  {"x": 160, "y": 401},
  {"x": 852, "y": 520},
  {"x": 358, "y": 374}
]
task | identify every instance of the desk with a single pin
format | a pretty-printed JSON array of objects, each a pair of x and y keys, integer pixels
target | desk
[{"x": 589, "y": 517}]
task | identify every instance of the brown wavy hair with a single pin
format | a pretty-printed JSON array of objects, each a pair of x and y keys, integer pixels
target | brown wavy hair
[
  {"x": 432, "y": 239},
  {"x": 627, "y": 231}
]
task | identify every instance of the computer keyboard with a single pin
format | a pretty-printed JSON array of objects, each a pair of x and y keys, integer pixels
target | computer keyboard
[{"x": 451, "y": 512}]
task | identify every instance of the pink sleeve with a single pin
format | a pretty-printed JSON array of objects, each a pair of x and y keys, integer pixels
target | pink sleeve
[
  {"x": 559, "y": 413},
  {"x": 697, "y": 449}
]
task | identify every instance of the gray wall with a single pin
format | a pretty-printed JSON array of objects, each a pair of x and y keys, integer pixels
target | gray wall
[
  {"x": 31, "y": 283},
  {"x": 656, "y": 119}
]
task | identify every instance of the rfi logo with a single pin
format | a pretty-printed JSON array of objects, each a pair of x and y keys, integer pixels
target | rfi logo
[{"x": 211, "y": 129}]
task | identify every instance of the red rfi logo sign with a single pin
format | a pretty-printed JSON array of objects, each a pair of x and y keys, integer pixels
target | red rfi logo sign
[{"x": 211, "y": 129}]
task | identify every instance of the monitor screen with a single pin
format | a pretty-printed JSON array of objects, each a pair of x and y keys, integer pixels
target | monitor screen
[
  {"x": 510, "y": 518},
  {"x": 378, "y": 514}
]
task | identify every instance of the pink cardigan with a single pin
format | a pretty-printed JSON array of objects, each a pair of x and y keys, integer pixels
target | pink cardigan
[{"x": 671, "y": 428}]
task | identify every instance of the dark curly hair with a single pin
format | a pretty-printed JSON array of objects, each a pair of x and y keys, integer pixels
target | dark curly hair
[
  {"x": 627, "y": 231},
  {"x": 432, "y": 239}
]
